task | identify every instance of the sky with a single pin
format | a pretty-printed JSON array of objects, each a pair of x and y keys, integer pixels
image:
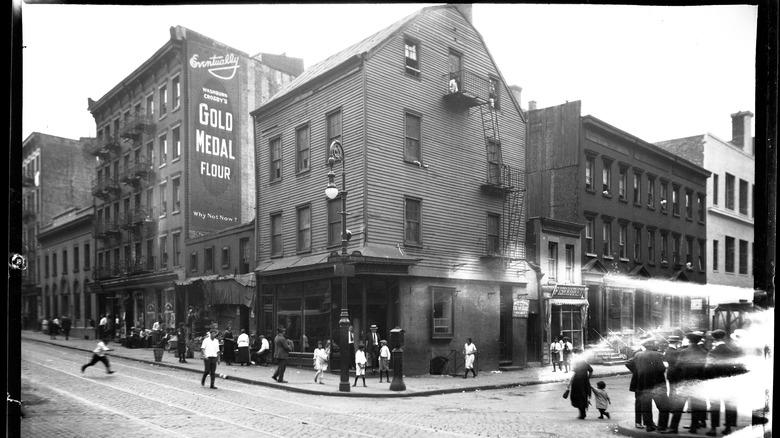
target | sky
[{"x": 655, "y": 72}]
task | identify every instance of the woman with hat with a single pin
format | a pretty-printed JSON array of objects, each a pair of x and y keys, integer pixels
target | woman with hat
[{"x": 579, "y": 385}]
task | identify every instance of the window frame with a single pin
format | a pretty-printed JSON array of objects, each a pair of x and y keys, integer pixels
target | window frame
[
  {"x": 331, "y": 136},
  {"x": 162, "y": 98},
  {"x": 715, "y": 188},
  {"x": 730, "y": 262},
  {"x": 176, "y": 92},
  {"x": 493, "y": 234},
  {"x": 743, "y": 257},
  {"x": 590, "y": 168},
  {"x": 276, "y": 250},
  {"x": 623, "y": 183},
  {"x": 209, "y": 264},
  {"x": 225, "y": 257},
  {"x": 194, "y": 262},
  {"x": 743, "y": 196},
  {"x": 590, "y": 241},
  {"x": 637, "y": 188},
  {"x": 175, "y": 194},
  {"x": 300, "y": 149},
  {"x": 606, "y": 239},
  {"x": 410, "y": 70},
  {"x": 606, "y": 177},
  {"x": 446, "y": 296},
  {"x": 162, "y": 249},
  {"x": 623, "y": 241},
  {"x": 176, "y": 243},
  {"x": 175, "y": 144},
  {"x": 407, "y": 156},
  {"x": 730, "y": 202},
  {"x": 162, "y": 148},
  {"x": 274, "y": 159},
  {"x": 651, "y": 246},
  {"x": 552, "y": 260},
  {"x": 302, "y": 232},
  {"x": 715, "y": 255},
  {"x": 407, "y": 241},
  {"x": 334, "y": 220}
]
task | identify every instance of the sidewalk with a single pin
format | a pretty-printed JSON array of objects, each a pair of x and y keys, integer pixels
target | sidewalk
[{"x": 302, "y": 379}]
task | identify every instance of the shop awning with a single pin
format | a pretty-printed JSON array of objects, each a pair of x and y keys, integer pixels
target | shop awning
[{"x": 224, "y": 289}]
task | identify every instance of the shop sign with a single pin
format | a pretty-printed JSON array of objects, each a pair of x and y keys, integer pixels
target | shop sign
[
  {"x": 520, "y": 308},
  {"x": 576, "y": 292}
]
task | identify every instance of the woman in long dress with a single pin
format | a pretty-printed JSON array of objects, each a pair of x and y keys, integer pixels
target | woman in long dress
[
  {"x": 579, "y": 385},
  {"x": 469, "y": 352},
  {"x": 243, "y": 348},
  {"x": 229, "y": 347}
]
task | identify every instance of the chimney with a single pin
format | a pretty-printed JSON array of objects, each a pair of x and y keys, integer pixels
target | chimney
[
  {"x": 531, "y": 105},
  {"x": 741, "y": 124},
  {"x": 516, "y": 91},
  {"x": 465, "y": 9}
]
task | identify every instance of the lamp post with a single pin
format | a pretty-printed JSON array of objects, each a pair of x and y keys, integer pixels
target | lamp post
[{"x": 336, "y": 153}]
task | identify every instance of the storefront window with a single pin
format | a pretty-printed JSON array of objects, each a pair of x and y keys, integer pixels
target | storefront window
[
  {"x": 620, "y": 313},
  {"x": 288, "y": 315},
  {"x": 566, "y": 320},
  {"x": 316, "y": 313}
]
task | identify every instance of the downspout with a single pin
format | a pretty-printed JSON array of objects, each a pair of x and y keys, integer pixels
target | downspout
[{"x": 365, "y": 147}]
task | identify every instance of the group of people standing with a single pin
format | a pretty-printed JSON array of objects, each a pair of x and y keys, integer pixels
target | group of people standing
[
  {"x": 561, "y": 350},
  {"x": 57, "y": 325}
]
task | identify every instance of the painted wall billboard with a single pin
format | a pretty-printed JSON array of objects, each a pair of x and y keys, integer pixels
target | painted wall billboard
[{"x": 213, "y": 149}]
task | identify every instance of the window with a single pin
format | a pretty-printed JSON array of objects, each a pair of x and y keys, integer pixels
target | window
[
  {"x": 590, "y": 247},
  {"x": 333, "y": 122},
  {"x": 650, "y": 191},
  {"x": 637, "y": 243},
  {"x": 334, "y": 222},
  {"x": 689, "y": 251},
  {"x": 304, "y": 228},
  {"x": 150, "y": 105},
  {"x": 412, "y": 215},
  {"x": 455, "y": 65},
  {"x": 664, "y": 196},
  {"x": 411, "y": 55},
  {"x": 226, "y": 257},
  {"x": 302, "y": 149},
  {"x": 676, "y": 249},
  {"x": 664, "y": 247},
  {"x": 743, "y": 256},
  {"x": 622, "y": 237},
  {"x": 702, "y": 251},
  {"x": 176, "y": 196},
  {"x": 552, "y": 260},
  {"x": 491, "y": 238},
  {"x": 162, "y": 147},
  {"x": 651, "y": 246},
  {"x": 606, "y": 177},
  {"x": 164, "y": 252},
  {"x": 208, "y": 259},
  {"x": 494, "y": 93},
  {"x": 64, "y": 262},
  {"x": 590, "y": 165},
  {"x": 276, "y": 234},
  {"x": 442, "y": 300},
  {"x": 243, "y": 251},
  {"x": 163, "y": 93},
  {"x": 176, "y": 86},
  {"x": 569, "y": 264},
  {"x": 54, "y": 265},
  {"x": 606, "y": 239},
  {"x": 743, "y": 196},
  {"x": 700, "y": 206},
  {"x": 412, "y": 142},
  {"x": 729, "y": 191},
  {"x": 163, "y": 200},
  {"x": 176, "y": 142},
  {"x": 689, "y": 204},
  {"x": 622, "y": 181},
  {"x": 275, "y": 150},
  {"x": 194, "y": 261},
  {"x": 176, "y": 249},
  {"x": 87, "y": 255},
  {"x": 46, "y": 266},
  {"x": 75, "y": 259},
  {"x": 637, "y": 188},
  {"x": 494, "y": 161},
  {"x": 729, "y": 254},
  {"x": 715, "y": 259},
  {"x": 149, "y": 254},
  {"x": 715, "y": 189}
]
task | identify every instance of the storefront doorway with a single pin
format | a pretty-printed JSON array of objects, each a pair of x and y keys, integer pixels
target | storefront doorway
[
  {"x": 505, "y": 325},
  {"x": 566, "y": 320}
]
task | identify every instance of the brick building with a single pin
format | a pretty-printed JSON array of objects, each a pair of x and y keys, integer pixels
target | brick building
[
  {"x": 66, "y": 244},
  {"x": 55, "y": 177},
  {"x": 730, "y": 198},
  {"x": 175, "y": 164},
  {"x": 434, "y": 147},
  {"x": 639, "y": 213}
]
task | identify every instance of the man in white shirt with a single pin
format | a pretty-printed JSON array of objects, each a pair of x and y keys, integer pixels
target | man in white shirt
[
  {"x": 384, "y": 360},
  {"x": 102, "y": 326},
  {"x": 210, "y": 350},
  {"x": 242, "y": 343},
  {"x": 99, "y": 355},
  {"x": 264, "y": 351}
]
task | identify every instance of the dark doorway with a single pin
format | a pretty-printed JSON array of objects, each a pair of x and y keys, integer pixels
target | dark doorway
[
  {"x": 505, "y": 325},
  {"x": 534, "y": 338}
]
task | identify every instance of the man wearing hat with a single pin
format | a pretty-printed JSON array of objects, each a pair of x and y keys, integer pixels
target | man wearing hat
[
  {"x": 675, "y": 401},
  {"x": 373, "y": 348},
  {"x": 281, "y": 354},
  {"x": 210, "y": 350},
  {"x": 650, "y": 381},
  {"x": 723, "y": 360},
  {"x": 384, "y": 360},
  {"x": 690, "y": 362}
]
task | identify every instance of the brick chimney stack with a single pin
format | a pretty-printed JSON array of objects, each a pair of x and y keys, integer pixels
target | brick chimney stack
[
  {"x": 741, "y": 124},
  {"x": 465, "y": 9},
  {"x": 531, "y": 105},
  {"x": 516, "y": 91}
]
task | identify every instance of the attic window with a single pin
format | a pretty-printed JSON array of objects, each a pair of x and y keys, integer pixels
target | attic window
[{"x": 411, "y": 52}]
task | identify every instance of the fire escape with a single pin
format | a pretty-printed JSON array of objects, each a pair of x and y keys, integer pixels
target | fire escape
[{"x": 465, "y": 89}]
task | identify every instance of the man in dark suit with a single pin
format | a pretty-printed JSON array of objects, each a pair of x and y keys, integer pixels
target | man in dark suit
[
  {"x": 281, "y": 353},
  {"x": 650, "y": 382},
  {"x": 373, "y": 347},
  {"x": 632, "y": 387},
  {"x": 724, "y": 360},
  {"x": 676, "y": 401}
]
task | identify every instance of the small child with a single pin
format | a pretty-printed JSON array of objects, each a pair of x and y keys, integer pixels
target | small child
[
  {"x": 99, "y": 355},
  {"x": 384, "y": 360},
  {"x": 602, "y": 399},
  {"x": 360, "y": 364}
]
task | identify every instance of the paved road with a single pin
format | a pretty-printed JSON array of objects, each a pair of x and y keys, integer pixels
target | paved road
[{"x": 142, "y": 399}]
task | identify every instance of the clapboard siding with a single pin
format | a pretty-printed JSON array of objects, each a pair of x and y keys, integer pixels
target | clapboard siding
[
  {"x": 452, "y": 144},
  {"x": 309, "y": 187}
]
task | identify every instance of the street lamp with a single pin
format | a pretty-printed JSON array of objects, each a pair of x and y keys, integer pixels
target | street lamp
[{"x": 336, "y": 153}]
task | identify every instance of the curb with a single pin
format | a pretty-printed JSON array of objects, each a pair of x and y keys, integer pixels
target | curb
[{"x": 338, "y": 393}]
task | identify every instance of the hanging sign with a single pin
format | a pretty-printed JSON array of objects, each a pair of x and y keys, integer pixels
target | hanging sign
[{"x": 520, "y": 308}]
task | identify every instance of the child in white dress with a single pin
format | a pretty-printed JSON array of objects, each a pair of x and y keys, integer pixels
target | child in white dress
[{"x": 360, "y": 364}]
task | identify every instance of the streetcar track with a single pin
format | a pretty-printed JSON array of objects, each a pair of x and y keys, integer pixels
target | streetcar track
[{"x": 280, "y": 400}]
